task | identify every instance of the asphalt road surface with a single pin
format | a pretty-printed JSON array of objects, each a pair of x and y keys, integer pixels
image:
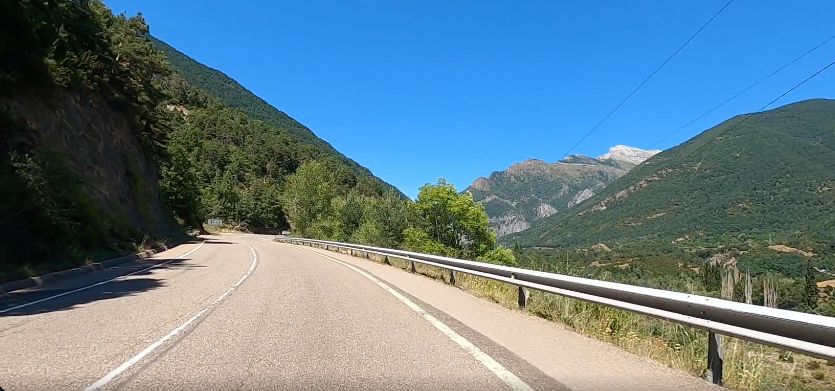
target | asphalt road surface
[{"x": 242, "y": 312}]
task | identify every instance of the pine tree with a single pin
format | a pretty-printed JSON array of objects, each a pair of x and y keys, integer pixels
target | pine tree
[{"x": 810, "y": 291}]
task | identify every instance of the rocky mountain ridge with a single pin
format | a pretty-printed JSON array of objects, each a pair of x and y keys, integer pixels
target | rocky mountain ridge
[{"x": 535, "y": 189}]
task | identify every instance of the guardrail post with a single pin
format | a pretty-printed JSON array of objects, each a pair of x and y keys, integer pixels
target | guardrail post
[
  {"x": 412, "y": 267},
  {"x": 715, "y": 357},
  {"x": 522, "y": 298},
  {"x": 452, "y": 277}
]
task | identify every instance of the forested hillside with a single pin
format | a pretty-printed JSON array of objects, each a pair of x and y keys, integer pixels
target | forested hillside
[
  {"x": 757, "y": 190},
  {"x": 233, "y": 95},
  {"x": 106, "y": 147}
]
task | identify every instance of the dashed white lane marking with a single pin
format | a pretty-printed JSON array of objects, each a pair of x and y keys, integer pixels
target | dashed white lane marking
[
  {"x": 138, "y": 357},
  {"x": 492, "y": 365},
  {"x": 102, "y": 282}
]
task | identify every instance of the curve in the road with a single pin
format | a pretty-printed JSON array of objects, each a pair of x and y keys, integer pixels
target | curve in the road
[{"x": 194, "y": 320}]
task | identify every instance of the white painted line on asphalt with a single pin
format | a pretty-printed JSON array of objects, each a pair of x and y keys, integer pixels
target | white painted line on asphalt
[
  {"x": 491, "y": 364},
  {"x": 135, "y": 359},
  {"x": 102, "y": 282}
]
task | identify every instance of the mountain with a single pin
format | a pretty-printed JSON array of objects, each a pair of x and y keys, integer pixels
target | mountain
[
  {"x": 760, "y": 187},
  {"x": 235, "y": 96},
  {"x": 534, "y": 189}
]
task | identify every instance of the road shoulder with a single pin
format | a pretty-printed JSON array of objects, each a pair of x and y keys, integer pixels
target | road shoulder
[{"x": 577, "y": 361}]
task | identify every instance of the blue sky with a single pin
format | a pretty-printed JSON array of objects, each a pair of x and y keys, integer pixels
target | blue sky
[{"x": 417, "y": 90}]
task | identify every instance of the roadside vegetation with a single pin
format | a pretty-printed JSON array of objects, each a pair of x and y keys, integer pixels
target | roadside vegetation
[{"x": 440, "y": 221}]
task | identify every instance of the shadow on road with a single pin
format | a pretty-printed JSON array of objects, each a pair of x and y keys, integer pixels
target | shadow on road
[
  {"x": 128, "y": 279},
  {"x": 123, "y": 285}
]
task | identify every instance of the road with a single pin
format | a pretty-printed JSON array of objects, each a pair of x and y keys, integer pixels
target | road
[{"x": 238, "y": 311}]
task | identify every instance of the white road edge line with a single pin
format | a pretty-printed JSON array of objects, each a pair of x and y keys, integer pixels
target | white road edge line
[
  {"x": 492, "y": 365},
  {"x": 139, "y": 356},
  {"x": 102, "y": 282}
]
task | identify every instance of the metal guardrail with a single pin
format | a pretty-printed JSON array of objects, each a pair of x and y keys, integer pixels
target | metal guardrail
[{"x": 809, "y": 334}]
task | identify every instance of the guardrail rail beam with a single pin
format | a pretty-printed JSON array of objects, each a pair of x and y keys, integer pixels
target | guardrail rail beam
[{"x": 809, "y": 334}]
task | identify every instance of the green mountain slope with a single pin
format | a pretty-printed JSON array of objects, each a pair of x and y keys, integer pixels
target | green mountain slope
[
  {"x": 235, "y": 96},
  {"x": 749, "y": 183}
]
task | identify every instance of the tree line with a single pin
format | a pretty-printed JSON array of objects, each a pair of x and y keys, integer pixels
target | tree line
[{"x": 440, "y": 221}]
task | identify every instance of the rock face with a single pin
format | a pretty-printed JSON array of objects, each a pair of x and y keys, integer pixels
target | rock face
[
  {"x": 509, "y": 223},
  {"x": 544, "y": 210},
  {"x": 581, "y": 196},
  {"x": 535, "y": 189}
]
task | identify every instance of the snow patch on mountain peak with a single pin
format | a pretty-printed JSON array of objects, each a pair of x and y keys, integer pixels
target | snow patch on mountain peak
[{"x": 628, "y": 154}]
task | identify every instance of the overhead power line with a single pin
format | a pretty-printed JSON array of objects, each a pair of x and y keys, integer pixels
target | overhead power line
[
  {"x": 611, "y": 112},
  {"x": 765, "y": 106},
  {"x": 744, "y": 90},
  {"x": 797, "y": 86}
]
